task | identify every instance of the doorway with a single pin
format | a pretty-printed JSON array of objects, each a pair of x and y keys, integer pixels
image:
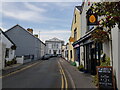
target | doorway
[{"x": 54, "y": 52}]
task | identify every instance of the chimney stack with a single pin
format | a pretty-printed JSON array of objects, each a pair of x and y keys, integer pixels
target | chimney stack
[
  {"x": 30, "y": 30},
  {"x": 36, "y": 35}
]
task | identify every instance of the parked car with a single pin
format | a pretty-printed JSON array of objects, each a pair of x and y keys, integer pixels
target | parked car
[
  {"x": 59, "y": 55},
  {"x": 46, "y": 57}
]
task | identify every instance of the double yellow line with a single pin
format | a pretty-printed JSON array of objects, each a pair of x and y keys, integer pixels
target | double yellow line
[
  {"x": 63, "y": 78},
  {"x": 19, "y": 70}
]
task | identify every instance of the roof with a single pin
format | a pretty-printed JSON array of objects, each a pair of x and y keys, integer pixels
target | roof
[
  {"x": 79, "y": 8},
  {"x": 7, "y": 37},
  {"x": 25, "y": 30},
  {"x": 55, "y": 39}
]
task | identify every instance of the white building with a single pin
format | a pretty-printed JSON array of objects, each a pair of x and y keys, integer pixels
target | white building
[
  {"x": 54, "y": 46},
  {"x": 7, "y": 49},
  {"x": 65, "y": 51}
]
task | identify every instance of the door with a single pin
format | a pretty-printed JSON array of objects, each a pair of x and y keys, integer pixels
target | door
[
  {"x": 78, "y": 54},
  {"x": 93, "y": 61},
  {"x": 54, "y": 52}
]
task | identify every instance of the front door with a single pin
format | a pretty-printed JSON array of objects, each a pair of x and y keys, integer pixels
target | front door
[
  {"x": 93, "y": 61},
  {"x": 54, "y": 52}
]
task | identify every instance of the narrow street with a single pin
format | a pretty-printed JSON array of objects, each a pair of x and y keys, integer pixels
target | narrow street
[
  {"x": 52, "y": 73},
  {"x": 45, "y": 74}
]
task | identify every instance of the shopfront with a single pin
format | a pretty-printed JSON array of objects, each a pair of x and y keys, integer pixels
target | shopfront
[
  {"x": 92, "y": 53},
  {"x": 77, "y": 54}
]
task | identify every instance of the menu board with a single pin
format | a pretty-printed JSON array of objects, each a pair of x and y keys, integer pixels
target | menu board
[{"x": 105, "y": 76}]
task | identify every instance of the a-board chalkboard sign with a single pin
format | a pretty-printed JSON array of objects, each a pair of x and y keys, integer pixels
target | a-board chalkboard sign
[{"x": 105, "y": 77}]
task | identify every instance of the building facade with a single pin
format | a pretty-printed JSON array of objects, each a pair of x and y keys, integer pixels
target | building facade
[
  {"x": 65, "y": 51},
  {"x": 28, "y": 45},
  {"x": 91, "y": 53},
  {"x": 54, "y": 46},
  {"x": 7, "y": 49},
  {"x": 74, "y": 52}
]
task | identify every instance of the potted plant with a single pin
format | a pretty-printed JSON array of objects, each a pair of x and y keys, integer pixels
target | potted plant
[{"x": 81, "y": 68}]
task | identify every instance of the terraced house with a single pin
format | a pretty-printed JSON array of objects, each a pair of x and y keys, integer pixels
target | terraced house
[
  {"x": 29, "y": 47},
  {"x": 7, "y": 49},
  {"x": 74, "y": 52},
  {"x": 94, "y": 53}
]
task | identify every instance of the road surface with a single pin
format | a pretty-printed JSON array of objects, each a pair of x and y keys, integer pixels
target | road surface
[{"x": 52, "y": 73}]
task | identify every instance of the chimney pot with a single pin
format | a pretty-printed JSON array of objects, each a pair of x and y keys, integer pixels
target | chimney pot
[{"x": 30, "y": 30}]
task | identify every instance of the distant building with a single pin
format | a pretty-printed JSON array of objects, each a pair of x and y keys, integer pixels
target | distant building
[
  {"x": 28, "y": 45},
  {"x": 54, "y": 46},
  {"x": 7, "y": 49},
  {"x": 65, "y": 50}
]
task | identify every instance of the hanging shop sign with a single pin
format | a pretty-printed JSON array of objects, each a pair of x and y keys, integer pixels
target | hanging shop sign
[
  {"x": 92, "y": 19},
  {"x": 71, "y": 39},
  {"x": 105, "y": 77},
  {"x": 76, "y": 46}
]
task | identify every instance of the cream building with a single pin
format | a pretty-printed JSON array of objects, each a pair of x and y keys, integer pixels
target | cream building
[
  {"x": 75, "y": 34},
  {"x": 54, "y": 46}
]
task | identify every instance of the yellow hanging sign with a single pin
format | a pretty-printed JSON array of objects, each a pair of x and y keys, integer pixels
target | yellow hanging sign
[{"x": 92, "y": 19}]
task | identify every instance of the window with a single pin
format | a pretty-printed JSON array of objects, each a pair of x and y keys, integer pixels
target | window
[
  {"x": 57, "y": 45},
  {"x": 75, "y": 18},
  {"x": 7, "y": 53},
  {"x": 49, "y": 51},
  {"x": 59, "y": 51},
  {"x": 71, "y": 53},
  {"x": 75, "y": 34},
  {"x": 52, "y": 45}
]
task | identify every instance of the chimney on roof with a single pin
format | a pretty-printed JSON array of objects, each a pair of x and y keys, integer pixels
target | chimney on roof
[
  {"x": 30, "y": 30},
  {"x": 36, "y": 35}
]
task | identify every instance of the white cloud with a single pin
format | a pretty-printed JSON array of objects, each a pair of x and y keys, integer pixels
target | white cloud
[
  {"x": 48, "y": 34},
  {"x": 34, "y": 8},
  {"x": 32, "y": 13},
  {"x": 42, "y": 0}
]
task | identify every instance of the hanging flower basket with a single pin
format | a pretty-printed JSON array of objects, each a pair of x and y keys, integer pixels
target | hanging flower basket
[{"x": 99, "y": 35}]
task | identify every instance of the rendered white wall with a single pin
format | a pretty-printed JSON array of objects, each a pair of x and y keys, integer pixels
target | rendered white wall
[{"x": 116, "y": 56}]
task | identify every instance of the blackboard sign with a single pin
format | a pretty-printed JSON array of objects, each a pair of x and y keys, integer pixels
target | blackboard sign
[{"x": 105, "y": 77}]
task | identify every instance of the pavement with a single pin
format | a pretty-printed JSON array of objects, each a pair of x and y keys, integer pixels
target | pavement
[
  {"x": 53, "y": 73},
  {"x": 15, "y": 67},
  {"x": 78, "y": 79}
]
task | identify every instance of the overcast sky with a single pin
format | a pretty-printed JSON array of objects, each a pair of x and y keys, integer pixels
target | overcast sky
[{"x": 49, "y": 18}]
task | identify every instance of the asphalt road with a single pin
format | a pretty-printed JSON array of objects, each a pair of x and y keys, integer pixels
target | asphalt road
[
  {"x": 52, "y": 73},
  {"x": 45, "y": 74}
]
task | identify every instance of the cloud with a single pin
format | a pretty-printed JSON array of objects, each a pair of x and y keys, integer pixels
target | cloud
[
  {"x": 48, "y": 34},
  {"x": 28, "y": 12},
  {"x": 34, "y": 8},
  {"x": 55, "y": 31},
  {"x": 42, "y": 0}
]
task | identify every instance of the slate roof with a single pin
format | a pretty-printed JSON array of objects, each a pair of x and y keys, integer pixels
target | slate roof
[
  {"x": 7, "y": 37},
  {"x": 26, "y": 31},
  {"x": 79, "y": 8}
]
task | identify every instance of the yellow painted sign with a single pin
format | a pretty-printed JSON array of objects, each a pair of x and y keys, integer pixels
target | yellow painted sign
[
  {"x": 92, "y": 19},
  {"x": 71, "y": 39}
]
